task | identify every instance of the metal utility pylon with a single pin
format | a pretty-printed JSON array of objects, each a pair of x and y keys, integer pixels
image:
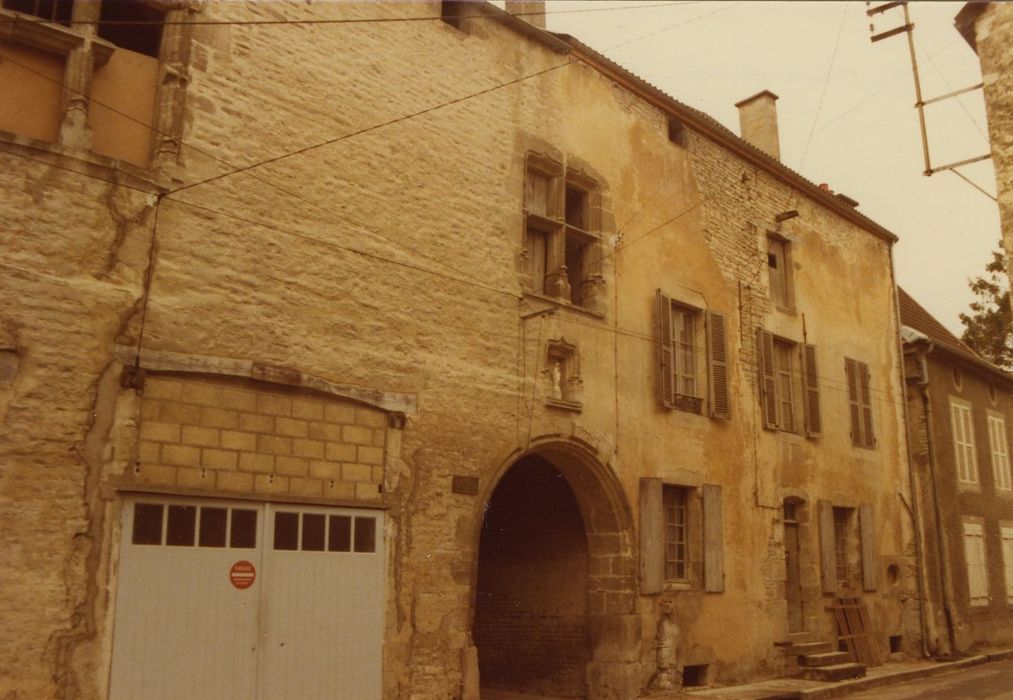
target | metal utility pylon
[{"x": 908, "y": 28}]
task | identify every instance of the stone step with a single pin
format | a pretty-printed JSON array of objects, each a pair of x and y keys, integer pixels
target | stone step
[
  {"x": 810, "y": 648},
  {"x": 837, "y": 672},
  {"x": 830, "y": 658},
  {"x": 800, "y": 637}
]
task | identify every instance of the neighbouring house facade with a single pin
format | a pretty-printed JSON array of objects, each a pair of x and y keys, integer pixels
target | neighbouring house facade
[
  {"x": 414, "y": 350},
  {"x": 960, "y": 408},
  {"x": 988, "y": 28}
]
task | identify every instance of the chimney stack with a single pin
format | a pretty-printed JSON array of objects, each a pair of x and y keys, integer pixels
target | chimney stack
[
  {"x": 758, "y": 122},
  {"x": 531, "y": 11}
]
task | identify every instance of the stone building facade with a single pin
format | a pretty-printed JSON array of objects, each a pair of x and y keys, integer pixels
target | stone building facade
[
  {"x": 559, "y": 384},
  {"x": 988, "y": 28},
  {"x": 960, "y": 408}
]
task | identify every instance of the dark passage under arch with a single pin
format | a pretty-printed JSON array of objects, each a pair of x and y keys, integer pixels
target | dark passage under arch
[{"x": 531, "y": 605}]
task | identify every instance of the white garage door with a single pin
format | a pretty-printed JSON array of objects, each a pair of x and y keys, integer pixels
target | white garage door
[{"x": 238, "y": 600}]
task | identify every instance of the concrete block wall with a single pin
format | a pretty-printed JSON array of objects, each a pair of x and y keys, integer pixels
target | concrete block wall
[{"x": 226, "y": 436}]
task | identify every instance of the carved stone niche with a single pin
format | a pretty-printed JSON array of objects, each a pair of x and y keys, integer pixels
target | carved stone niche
[{"x": 565, "y": 387}]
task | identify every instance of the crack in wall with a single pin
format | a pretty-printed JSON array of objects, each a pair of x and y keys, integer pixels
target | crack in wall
[{"x": 82, "y": 563}]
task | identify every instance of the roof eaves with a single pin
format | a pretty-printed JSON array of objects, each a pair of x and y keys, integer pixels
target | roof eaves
[
  {"x": 719, "y": 133},
  {"x": 965, "y": 19},
  {"x": 971, "y": 359}
]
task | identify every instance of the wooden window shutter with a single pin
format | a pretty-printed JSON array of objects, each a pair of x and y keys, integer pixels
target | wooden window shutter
[
  {"x": 652, "y": 537},
  {"x": 828, "y": 567},
  {"x": 666, "y": 359},
  {"x": 851, "y": 370},
  {"x": 717, "y": 358},
  {"x": 868, "y": 436},
  {"x": 811, "y": 392},
  {"x": 713, "y": 540},
  {"x": 867, "y": 527},
  {"x": 768, "y": 381}
]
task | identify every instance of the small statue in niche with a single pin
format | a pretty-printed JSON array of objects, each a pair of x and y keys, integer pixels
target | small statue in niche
[
  {"x": 668, "y": 676},
  {"x": 557, "y": 380}
]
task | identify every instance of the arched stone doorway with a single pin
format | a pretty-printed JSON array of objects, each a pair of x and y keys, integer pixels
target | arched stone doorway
[{"x": 555, "y": 586}]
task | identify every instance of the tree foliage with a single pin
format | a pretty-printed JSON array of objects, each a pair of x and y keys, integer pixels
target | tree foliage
[{"x": 988, "y": 329}]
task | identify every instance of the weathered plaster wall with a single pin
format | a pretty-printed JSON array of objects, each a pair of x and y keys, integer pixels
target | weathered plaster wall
[{"x": 387, "y": 259}]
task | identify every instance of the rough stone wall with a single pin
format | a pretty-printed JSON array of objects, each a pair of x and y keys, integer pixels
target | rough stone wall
[
  {"x": 386, "y": 260},
  {"x": 993, "y": 34}
]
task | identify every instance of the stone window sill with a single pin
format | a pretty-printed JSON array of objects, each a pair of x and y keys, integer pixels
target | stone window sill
[
  {"x": 84, "y": 162},
  {"x": 563, "y": 304},
  {"x": 565, "y": 405}
]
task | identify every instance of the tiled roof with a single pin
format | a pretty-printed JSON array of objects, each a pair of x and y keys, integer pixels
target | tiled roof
[
  {"x": 719, "y": 131},
  {"x": 914, "y": 315}
]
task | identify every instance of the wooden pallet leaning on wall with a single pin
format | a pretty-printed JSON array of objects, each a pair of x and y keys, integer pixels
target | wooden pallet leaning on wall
[{"x": 855, "y": 629}]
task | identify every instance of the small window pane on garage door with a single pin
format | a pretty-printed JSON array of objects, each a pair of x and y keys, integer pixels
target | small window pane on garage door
[{"x": 191, "y": 620}]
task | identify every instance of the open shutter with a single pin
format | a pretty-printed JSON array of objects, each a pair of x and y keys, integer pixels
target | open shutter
[
  {"x": 867, "y": 526},
  {"x": 851, "y": 370},
  {"x": 713, "y": 540},
  {"x": 868, "y": 436},
  {"x": 811, "y": 392},
  {"x": 828, "y": 569},
  {"x": 768, "y": 382},
  {"x": 652, "y": 537},
  {"x": 717, "y": 359},
  {"x": 666, "y": 360}
]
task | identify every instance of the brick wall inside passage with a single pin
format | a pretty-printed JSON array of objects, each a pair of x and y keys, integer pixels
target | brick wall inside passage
[
  {"x": 530, "y": 613},
  {"x": 241, "y": 436}
]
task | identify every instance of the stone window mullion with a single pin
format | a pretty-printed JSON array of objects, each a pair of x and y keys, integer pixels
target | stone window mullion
[
  {"x": 174, "y": 57},
  {"x": 77, "y": 76}
]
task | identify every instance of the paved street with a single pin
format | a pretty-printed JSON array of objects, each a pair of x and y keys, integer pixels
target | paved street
[{"x": 993, "y": 681}]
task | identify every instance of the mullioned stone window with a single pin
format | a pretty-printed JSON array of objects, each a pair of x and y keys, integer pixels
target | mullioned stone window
[
  {"x": 107, "y": 77},
  {"x": 562, "y": 247}
]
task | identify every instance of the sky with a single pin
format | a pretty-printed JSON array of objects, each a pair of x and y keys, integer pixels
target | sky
[{"x": 846, "y": 110}]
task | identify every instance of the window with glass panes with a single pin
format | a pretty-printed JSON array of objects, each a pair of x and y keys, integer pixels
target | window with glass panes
[{"x": 674, "y": 500}]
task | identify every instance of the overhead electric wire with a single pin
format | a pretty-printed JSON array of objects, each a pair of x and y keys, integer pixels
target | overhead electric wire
[
  {"x": 372, "y": 127},
  {"x": 826, "y": 83},
  {"x": 669, "y": 28},
  {"x": 274, "y": 185},
  {"x": 597, "y": 326},
  {"x": 26, "y": 18},
  {"x": 601, "y": 327}
]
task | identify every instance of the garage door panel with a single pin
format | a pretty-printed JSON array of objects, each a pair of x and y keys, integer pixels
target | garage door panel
[
  {"x": 175, "y": 602},
  {"x": 310, "y": 625},
  {"x": 323, "y": 620}
]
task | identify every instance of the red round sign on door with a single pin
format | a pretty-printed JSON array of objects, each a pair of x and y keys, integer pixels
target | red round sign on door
[{"x": 242, "y": 574}]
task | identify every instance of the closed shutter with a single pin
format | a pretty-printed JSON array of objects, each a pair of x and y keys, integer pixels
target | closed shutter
[
  {"x": 652, "y": 537},
  {"x": 717, "y": 358},
  {"x": 768, "y": 381},
  {"x": 811, "y": 392},
  {"x": 666, "y": 361},
  {"x": 1007, "y": 558},
  {"x": 868, "y": 435},
  {"x": 867, "y": 525},
  {"x": 713, "y": 540},
  {"x": 974, "y": 554},
  {"x": 828, "y": 570},
  {"x": 851, "y": 370}
]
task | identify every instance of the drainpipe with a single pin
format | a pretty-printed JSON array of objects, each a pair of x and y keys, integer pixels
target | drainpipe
[
  {"x": 944, "y": 562},
  {"x": 919, "y": 558}
]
